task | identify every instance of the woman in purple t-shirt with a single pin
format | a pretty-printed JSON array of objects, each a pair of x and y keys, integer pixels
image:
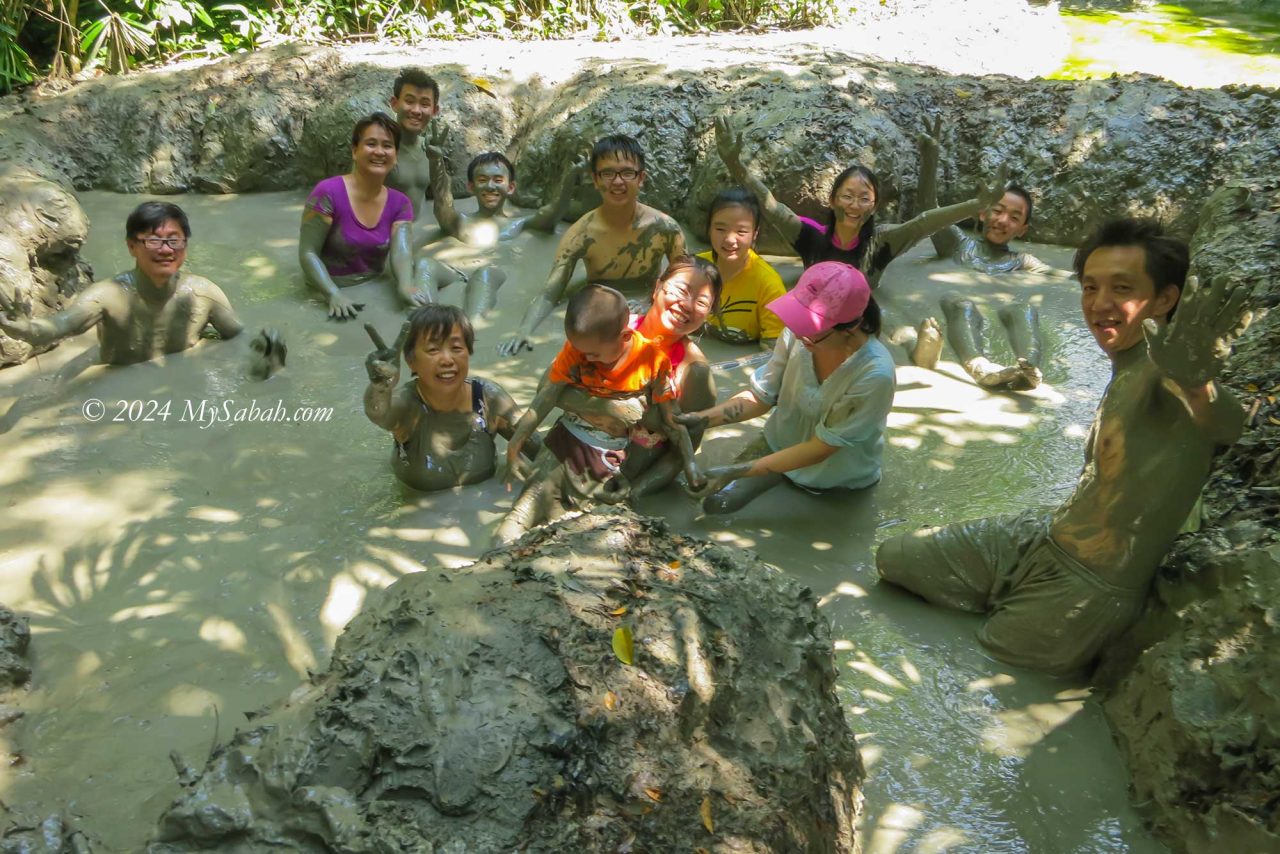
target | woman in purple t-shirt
[
  {"x": 353, "y": 225},
  {"x": 850, "y": 234}
]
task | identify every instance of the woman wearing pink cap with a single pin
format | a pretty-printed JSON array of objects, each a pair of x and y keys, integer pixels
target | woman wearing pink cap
[{"x": 829, "y": 385}]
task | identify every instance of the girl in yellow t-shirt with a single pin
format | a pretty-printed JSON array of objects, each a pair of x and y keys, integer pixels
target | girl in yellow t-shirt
[{"x": 749, "y": 282}]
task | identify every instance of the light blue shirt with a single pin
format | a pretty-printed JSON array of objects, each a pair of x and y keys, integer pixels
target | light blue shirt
[{"x": 848, "y": 410}]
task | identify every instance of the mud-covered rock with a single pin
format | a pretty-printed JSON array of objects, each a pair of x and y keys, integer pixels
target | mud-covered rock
[
  {"x": 15, "y": 636},
  {"x": 1195, "y": 685},
  {"x": 490, "y": 709},
  {"x": 54, "y": 834},
  {"x": 42, "y": 228}
]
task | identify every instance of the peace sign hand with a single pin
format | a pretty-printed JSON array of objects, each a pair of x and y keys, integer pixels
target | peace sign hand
[{"x": 383, "y": 364}]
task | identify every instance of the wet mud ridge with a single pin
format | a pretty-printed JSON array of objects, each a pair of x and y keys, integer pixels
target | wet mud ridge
[{"x": 493, "y": 708}]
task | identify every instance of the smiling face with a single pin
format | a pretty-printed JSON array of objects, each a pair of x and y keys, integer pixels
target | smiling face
[
  {"x": 161, "y": 262},
  {"x": 682, "y": 303},
  {"x": 619, "y": 180},
  {"x": 732, "y": 233},
  {"x": 853, "y": 201},
  {"x": 441, "y": 364},
  {"x": 375, "y": 153},
  {"x": 1117, "y": 294},
  {"x": 414, "y": 107},
  {"x": 1006, "y": 220},
  {"x": 491, "y": 185}
]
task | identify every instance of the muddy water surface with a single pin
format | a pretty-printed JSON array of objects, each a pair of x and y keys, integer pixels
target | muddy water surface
[{"x": 183, "y": 569}]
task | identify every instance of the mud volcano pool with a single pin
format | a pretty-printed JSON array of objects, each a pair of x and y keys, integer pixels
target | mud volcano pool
[{"x": 178, "y": 577}]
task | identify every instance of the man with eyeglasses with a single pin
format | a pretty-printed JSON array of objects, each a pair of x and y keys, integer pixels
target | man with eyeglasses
[
  {"x": 621, "y": 243},
  {"x": 153, "y": 309}
]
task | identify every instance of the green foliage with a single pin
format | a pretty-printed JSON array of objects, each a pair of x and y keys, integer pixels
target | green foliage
[{"x": 118, "y": 34}]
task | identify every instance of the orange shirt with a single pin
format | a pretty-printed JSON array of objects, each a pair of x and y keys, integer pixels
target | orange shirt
[{"x": 645, "y": 370}]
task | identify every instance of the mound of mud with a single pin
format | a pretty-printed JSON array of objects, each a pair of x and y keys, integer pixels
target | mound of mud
[{"x": 491, "y": 709}]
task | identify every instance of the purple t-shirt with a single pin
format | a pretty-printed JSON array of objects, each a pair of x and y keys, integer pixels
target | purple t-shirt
[{"x": 352, "y": 247}]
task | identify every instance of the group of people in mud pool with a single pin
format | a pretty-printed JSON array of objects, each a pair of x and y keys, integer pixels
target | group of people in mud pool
[{"x": 637, "y": 394}]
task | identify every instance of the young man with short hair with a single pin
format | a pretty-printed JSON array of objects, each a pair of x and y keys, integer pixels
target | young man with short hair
[
  {"x": 1059, "y": 585},
  {"x": 621, "y": 243},
  {"x": 154, "y": 309}
]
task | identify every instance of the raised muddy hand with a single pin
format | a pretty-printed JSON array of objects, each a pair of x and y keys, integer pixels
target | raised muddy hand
[
  {"x": 268, "y": 353},
  {"x": 927, "y": 140},
  {"x": 729, "y": 145},
  {"x": 383, "y": 364},
  {"x": 435, "y": 139},
  {"x": 1192, "y": 349},
  {"x": 515, "y": 345},
  {"x": 993, "y": 192}
]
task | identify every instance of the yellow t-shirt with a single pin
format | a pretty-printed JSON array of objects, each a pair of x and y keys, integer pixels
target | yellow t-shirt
[{"x": 743, "y": 316}]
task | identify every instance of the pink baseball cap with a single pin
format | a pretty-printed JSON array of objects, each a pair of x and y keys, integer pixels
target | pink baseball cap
[{"x": 827, "y": 293}]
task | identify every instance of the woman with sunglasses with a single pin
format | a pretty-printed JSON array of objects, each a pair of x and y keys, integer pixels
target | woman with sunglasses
[{"x": 828, "y": 389}]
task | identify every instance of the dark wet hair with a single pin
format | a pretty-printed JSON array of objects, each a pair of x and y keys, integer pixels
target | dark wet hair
[
  {"x": 869, "y": 227},
  {"x": 149, "y": 216},
  {"x": 487, "y": 158},
  {"x": 597, "y": 312},
  {"x": 1166, "y": 259},
  {"x": 416, "y": 77},
  {"x": 734, "y": 197},
  {"x": 620, "y": 146},
  {"x": 380, "y": 119},
  {"x": 434, "y": 322},
  {"x": 868, "y": 323},
  {"x": 702, "y": 267},
  {"x": 1024, "y": 194}
]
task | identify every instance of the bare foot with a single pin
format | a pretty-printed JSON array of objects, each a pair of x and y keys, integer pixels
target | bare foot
[
  {"x": 1023, "y": 376},
  {"x": 928, "y": 344}
]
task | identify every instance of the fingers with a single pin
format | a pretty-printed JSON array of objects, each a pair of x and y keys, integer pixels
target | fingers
[
  {"x": 1233, "y": 317},
  {"x": 1153, "y": 332},
  {"x": 936, "y": 130},
  {"x": 402, "y": 337},
  {"x": 378, "y": 344}
]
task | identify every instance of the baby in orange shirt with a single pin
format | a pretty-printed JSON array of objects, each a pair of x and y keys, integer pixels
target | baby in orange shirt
[{"x": 604, "y": 378}]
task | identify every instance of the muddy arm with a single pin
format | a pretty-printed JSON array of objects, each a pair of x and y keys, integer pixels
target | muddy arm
[
  {"x": 504, "y": 415},
  {"x": 729, "y": 144},
  {"x": 81, "y": 316},
  {"x": 543, "y": 402},
  {"x": 944, "y": 239},
  {"x": 442, "y": 183},
  {"x": 553, "y": 211},
  {"x": 567, "y": 256},
  {"x": 222, "y": 317},
  {"x": 311, "y": 238},
  {"x": 679, "y": 436},
  {"x": 902, "y": 237},
  {"x": 402, "y": 266}
]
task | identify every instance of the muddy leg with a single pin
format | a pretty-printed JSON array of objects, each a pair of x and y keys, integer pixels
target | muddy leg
[
  {"x": 1022, "y": 324},
  {"x": 482, "y": 290},
  {"x": 537, "y": 504},
  {"x": 430, "y": 276},
  {"x": 650, "y": 469},
  {"x": 741, "y": 492},
  {"x": 964, "y": 334}
]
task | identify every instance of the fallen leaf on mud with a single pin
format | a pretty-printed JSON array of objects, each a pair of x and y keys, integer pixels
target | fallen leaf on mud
[
  {"x": 675, "y": 564},
  {"x": 618, "y": 612},
  {"x": 701, "y": 851},
  {"x": 705, "y": 811},
  {"x": 963, "y": 93},
  {"x": 610, "y": 701},
  {"x": 623, "y": 645},
  {"x": 654, "y": 794},
  {"x": 1251, "y": 387},
  {"x": 1272, "y": 419},
  {"x": 481, "y": 84},
  {"x": 1271, "y": 398}
]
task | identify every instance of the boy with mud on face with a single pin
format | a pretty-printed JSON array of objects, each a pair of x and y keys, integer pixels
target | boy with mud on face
[
  {"x": 1058, "y": 585},
  {"x": 605, "y": 378},
  {"x": 621, "y": 243},
  {"x": 443, "y": 422}
]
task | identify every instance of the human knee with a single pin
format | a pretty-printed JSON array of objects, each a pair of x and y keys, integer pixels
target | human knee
[
  {"x": 697, "y": 388},
  {"x": 957, "y": 305},
  {"x": 889, "y": 559}
]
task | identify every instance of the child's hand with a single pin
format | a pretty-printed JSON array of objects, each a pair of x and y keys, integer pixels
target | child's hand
[
  {"x": 716, "y": 479},
  {"x": 517, "y": 471}
]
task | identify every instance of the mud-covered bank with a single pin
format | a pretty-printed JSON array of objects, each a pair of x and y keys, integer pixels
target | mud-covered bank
[{"x": 500, "y": 707}]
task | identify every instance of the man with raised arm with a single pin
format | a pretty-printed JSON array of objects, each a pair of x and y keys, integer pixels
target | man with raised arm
[
  {"x": 153, "y": 309},
  {"x": 621, "y": 243},
  {"x": 1059, "y": 585}
]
